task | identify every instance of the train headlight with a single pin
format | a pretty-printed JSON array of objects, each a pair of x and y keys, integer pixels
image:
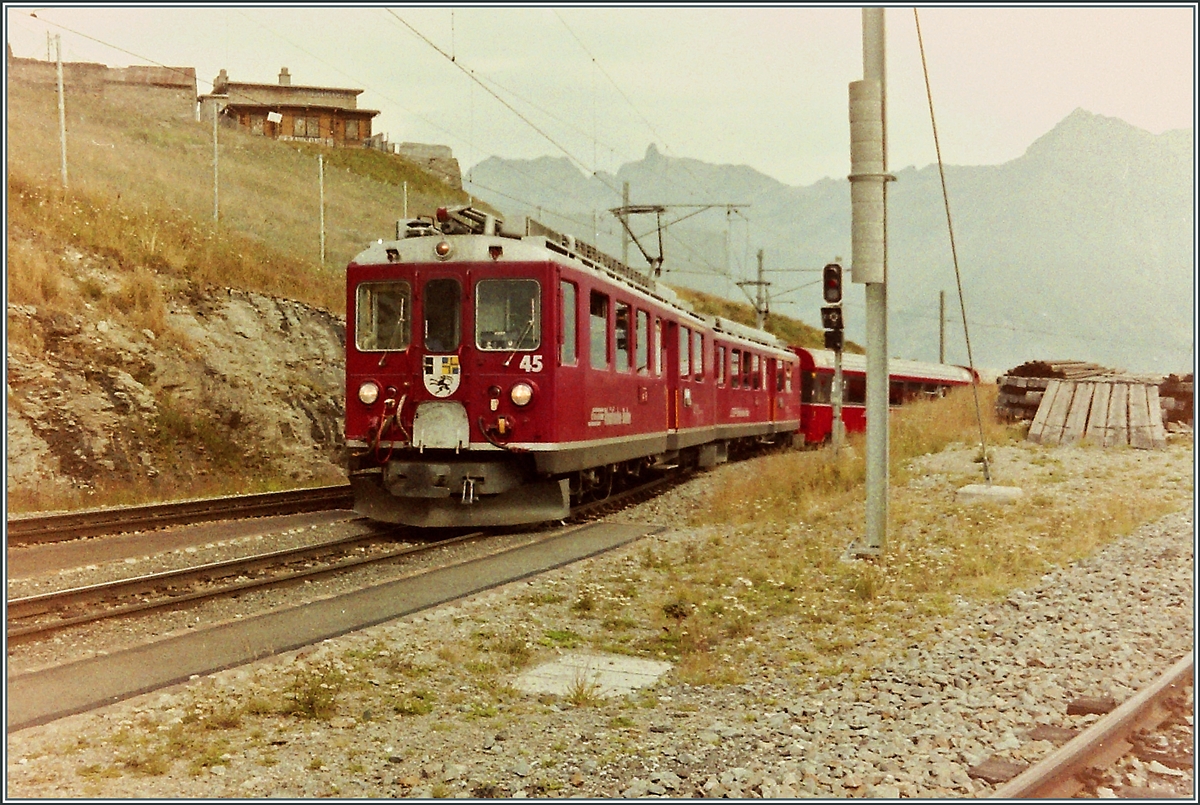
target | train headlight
[
  {"x": 368, "y": 393},
  {"x": 442, "y": 249},
  {"x": 521, "y": 394}
]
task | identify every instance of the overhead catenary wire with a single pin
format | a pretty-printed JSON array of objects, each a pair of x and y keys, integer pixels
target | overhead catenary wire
[{"x": 987, "y": 475}]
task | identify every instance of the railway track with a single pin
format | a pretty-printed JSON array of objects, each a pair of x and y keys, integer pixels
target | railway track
[
  {"x": 1079, "y": 765},
  {"x": 35, "y": 617},
  {"x": 40, "y": 529}
]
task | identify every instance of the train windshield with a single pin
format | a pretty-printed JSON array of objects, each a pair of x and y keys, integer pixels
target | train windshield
[
  {"x": 508, "y": 314},
  {"x": 382, "y": 316},
  {"x": 443, "y": 310}
]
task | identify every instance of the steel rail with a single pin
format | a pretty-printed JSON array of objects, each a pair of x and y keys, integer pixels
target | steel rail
[
  {"x": 95, "y": 522},
  {"x": 39, "y": 604},
  {"x": 58, "y": 601},
  {"x": 1058, "y": 776}
]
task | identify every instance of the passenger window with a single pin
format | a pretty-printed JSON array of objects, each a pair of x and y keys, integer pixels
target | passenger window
[
  {"x": 508, "y": 315},
  {"x": 821, "y": 389},
  {"x": 698, "y": 355},
  {"x": 787, "y": 378},
  {"x": 443, "y": 315},
  {"x": 382, "y": 316},
  {"x": 735, "y": 368},
  {"x": 643, "y": 342},
  {"x": 685, "y": 344},
  {"x": 569, "y": 318},
  {"x": 598, "y": 331},
  {"x": 623, "y": 324},
  {"x": 720, "y": 367},
  {"x": 756, "y": 371}
]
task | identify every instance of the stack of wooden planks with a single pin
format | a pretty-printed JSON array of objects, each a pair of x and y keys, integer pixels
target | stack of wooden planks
[{"x": 1107, "y": 412}]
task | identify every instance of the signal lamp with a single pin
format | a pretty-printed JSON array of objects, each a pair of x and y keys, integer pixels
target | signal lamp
[{"x": 832, "y": 283}]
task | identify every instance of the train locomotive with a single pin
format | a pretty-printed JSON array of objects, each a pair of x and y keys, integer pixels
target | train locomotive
[{"x": 497, "y": 377}]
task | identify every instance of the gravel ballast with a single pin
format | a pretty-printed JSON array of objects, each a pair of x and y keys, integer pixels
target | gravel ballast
[{"x": 408, "y": 720}]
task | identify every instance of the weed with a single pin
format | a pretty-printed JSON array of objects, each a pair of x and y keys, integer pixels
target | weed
[
  {"x": 312, "y": 691},
  {"x": 583, "y": 691},
  {"x": 561, "y": 638},
  {"x": 414, "y": 703}
]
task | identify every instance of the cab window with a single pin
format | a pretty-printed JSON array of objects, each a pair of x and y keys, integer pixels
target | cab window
[
  {"x": 508, "y": 314},
  {"x": 443, "y": 315},
  {"x": 382, "y": 311}
]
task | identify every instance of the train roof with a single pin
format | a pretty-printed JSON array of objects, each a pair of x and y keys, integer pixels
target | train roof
[
  {"x": 472, "y": 232},
  {"x": 897, "y": 367}
]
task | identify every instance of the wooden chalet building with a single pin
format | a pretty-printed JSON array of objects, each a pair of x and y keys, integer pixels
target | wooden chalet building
[{"x": 283, "y": 111}]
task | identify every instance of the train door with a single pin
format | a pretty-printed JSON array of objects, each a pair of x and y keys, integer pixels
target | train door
[
  {"x": 572, "y": 358},
  {"x": 670, "y": 351}
]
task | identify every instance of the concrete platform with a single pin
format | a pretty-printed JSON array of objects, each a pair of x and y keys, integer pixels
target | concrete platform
[
  {"x": 985, "y": 493},
  {"x": 606, "y": 675}
]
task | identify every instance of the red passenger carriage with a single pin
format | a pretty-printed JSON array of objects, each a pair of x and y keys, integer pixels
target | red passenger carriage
[{"x": 908, "y": 380}]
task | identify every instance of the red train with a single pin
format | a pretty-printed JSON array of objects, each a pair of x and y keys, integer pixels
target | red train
[{"x": 494, "y": 378}]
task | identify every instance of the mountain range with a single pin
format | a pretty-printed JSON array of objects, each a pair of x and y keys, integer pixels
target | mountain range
[{"x": 1083, "y": 248}]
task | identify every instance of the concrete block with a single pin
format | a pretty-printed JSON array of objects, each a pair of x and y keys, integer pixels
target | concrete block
[{"x": 986, "y": 493}]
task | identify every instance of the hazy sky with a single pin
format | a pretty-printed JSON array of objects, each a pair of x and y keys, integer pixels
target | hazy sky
[{"x": 765, "y": 86}]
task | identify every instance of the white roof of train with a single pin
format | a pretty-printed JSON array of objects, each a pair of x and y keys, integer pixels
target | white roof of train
[{"x": 897, "y": 367}]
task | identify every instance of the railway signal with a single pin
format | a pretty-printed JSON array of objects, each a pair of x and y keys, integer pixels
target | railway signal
[
  {"x": 834, "y": 324},
  {"x": 832, "y": 284}
]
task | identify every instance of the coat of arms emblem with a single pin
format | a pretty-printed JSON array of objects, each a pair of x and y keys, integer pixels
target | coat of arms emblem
[{"x": 442, "y": 374}]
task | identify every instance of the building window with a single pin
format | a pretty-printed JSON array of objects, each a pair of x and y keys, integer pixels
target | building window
[
  {"x": 352, "y": 130},
  {"x": 307, "y": 127},
  {"x": 257, "y": 122}
]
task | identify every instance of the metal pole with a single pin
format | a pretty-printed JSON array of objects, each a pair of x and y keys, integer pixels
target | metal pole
[
  {"x": 759, "y": 306},
  {"x": 839, "y": 427},
  {"x": 406, "y": 201},
  {"x": 216, "y": 173},
  {"x": 62, "y": 110},
  {"x": 625, "y": 228},
  {"x": 321, "y": 181},
  {"x": 868, "y": 189},
  {"x": 941, "y": 326}
]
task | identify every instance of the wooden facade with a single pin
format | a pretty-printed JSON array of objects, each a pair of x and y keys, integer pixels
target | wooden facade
[{"x": 323, "y": 115}]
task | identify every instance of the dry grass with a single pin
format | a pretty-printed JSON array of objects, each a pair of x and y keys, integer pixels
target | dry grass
[{"x": 773, "y": 561}]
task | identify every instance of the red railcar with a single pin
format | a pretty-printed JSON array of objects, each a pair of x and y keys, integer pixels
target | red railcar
[
  {"x": 493, "y": 377},
  {"x": 907, "y": 380}
]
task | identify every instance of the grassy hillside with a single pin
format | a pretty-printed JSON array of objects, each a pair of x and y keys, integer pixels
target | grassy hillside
[{"x": 141, "y": 193}]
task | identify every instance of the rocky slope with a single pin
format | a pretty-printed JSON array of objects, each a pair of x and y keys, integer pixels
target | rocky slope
[{"x": 232, "y": 384}]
